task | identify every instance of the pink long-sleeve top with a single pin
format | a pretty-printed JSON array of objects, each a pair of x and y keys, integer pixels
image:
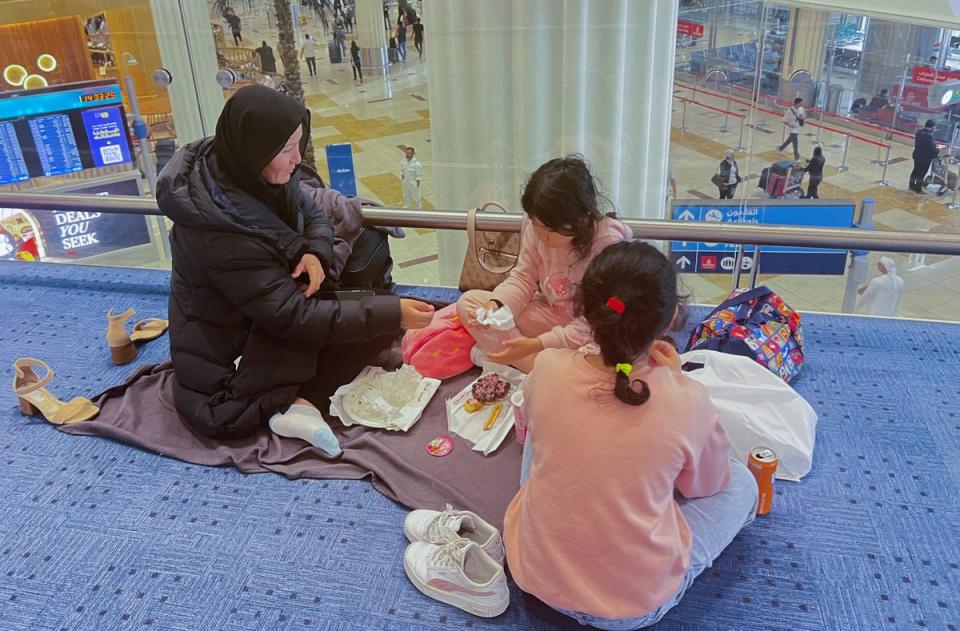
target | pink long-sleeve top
[
  {"x": 552, "y": 274},
  {"x": 596, "y": 527}
]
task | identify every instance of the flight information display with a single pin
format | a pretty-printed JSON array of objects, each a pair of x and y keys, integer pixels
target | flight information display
[
  {"x": 12, "y": 167},
  {"x": 62, "y": 129},
  {"x": 56, "y": 145}
]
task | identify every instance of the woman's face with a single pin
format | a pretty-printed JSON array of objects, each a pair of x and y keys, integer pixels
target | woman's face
[
  {"x": 279, "y": 170},
  {"x": 548, "y": 236}
]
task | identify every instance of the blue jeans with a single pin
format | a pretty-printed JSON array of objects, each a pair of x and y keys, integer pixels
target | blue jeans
[
  {"x": 402, "y": 47},
  {"x": 714, "y": 521}
]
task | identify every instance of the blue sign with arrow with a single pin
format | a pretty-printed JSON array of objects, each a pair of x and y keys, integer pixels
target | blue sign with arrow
[{"x": 709, "y": 258}]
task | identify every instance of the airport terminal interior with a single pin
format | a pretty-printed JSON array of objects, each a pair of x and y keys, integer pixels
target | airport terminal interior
[{"x": 118, "y": 526}]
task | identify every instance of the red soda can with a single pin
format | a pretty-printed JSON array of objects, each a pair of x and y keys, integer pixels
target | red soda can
[{"x": 763, "y": 464}]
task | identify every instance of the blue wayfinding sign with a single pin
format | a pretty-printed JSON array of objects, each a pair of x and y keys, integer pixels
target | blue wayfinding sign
[
  {"x": 709, "y": 258},
  {"x": 340, "y": 168}
]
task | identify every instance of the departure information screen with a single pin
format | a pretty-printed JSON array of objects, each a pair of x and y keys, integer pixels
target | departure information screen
[
  {"x": 56, "y": 146},
  {"x": 12, "y": 167},
  {"x": 62, "y": 129}
]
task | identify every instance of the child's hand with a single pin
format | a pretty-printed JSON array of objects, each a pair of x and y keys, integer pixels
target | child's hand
[
  {"x": 516, "y": 349},
  {"x": 663, "y": 354}
]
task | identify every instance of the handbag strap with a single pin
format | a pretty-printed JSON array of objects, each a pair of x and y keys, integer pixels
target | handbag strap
[{"x": 758, "y": 292}]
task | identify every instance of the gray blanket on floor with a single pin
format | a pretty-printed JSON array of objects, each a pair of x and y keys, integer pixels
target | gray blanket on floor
[{"x": 140, "y": 412}]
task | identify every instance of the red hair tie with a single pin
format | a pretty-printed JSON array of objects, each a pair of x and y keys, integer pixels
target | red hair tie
[{"x": 616, "y": 304}]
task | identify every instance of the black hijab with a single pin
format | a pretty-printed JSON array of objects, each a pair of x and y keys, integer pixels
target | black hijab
[{"x": 254, "y": 125}]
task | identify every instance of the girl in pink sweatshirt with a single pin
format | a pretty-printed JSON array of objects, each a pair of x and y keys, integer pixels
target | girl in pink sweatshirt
[
  {"x": 564, "y": 229},
  {"x": 628, "y": 491}
]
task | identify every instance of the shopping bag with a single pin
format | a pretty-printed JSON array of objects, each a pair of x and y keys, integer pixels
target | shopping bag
[
  {"x": 757, "y": 409},
  {"x": 754, "y": 323}
]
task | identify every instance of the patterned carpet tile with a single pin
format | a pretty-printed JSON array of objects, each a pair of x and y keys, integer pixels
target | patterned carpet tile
[{"x": 100, "y": 535}]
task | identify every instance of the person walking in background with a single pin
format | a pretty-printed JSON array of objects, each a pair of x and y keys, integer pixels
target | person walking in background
[
  {"x": 881, "y": 296},
  {"x": 323, "y": 20},
  {"x": 309, "y": 52},
  {"x": 386, "y": 16},
  {"x": 924, "y": 151},
  {"x": 418, "y": 37},
  {"x": 348, "y": 17},
  {"x": 411, "y": 173},
  {"x": 793, "y": 121},
  {"x": 268, "y": 62},
  {"x": 672, "y": 180},
  {"x": 815, "y": 169},
  {"x": 402, "y": 40},
  {"x": 234, "y": 21},
  {"x": 340, "y": 37},
  {"x": 728, "y": 175},
  {"x": 355, "y": 58}
]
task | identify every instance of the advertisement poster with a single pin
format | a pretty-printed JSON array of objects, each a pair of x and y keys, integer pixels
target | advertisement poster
[
  {"x": 78, "y": 235},
  {"x": 106, "y": 134}
]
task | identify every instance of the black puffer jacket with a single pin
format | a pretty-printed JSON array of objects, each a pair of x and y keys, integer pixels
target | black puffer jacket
[{"x": 232, "y": 295}]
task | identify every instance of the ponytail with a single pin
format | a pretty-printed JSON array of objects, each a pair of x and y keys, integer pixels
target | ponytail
[{"x": 625, "y": 392}]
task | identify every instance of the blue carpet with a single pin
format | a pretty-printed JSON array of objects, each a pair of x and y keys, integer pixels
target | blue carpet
[{"x": 98, "y": 535}]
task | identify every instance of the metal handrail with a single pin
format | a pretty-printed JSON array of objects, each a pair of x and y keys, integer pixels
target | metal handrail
[{"x": 750, "y": 234}]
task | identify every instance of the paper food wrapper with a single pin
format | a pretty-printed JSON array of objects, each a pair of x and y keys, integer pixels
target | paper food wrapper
[
  {"x": 469, "y": 425},
  {"x": 384, "y": 400},
  {"x": 499, "y": 319}
]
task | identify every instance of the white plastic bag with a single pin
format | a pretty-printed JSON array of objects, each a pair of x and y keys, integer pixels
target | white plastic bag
[
  {"x": 384, "y": 400},
  {"x": 757, "y": 408}
]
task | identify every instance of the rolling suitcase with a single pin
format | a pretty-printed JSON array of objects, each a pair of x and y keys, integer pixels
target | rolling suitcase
[
  {"x": 764, "y": 175},
  {"x": 775, "y": 184}
]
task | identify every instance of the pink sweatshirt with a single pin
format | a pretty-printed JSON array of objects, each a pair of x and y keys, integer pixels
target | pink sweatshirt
[
  {"x": 595, "y": 528},
  {"x": 552, "y": 275}
]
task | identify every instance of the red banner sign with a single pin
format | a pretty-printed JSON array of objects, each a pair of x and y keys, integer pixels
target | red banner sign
[
  {"x": 925, "y": 75},
  {"x": 691, "y": 29}
]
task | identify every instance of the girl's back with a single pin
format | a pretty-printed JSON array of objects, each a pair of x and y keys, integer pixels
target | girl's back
[{"x": 599, "y": 504}]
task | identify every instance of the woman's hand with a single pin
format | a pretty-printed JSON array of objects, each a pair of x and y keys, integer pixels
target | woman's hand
[
  {"x": 415, "y": 314},
  {"x": 516, "y": 349},
  {"x": 663, "y": 354},
  {"x": 489, "y": 306},
  {"x": 310, "y": 264}
]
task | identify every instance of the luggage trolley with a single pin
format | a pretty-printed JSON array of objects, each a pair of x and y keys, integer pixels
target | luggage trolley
[{"x": 783, "y": 178}]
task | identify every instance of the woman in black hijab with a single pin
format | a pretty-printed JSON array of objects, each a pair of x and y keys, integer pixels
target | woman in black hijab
[{"x": 251, "y": 340}]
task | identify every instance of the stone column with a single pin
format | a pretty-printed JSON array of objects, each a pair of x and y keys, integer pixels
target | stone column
[
  {"x": 371, "y": 37},
  {"x": 513, "y": 84}
]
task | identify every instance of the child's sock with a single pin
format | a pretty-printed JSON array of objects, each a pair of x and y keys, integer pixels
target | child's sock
[{"x": 306, "y": 423}]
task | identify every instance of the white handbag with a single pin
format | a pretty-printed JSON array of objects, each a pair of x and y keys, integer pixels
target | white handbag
[{"x": 758, "y": 409}]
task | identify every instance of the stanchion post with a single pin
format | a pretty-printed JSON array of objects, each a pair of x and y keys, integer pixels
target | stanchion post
[
  {"x": 819, "y": 129},
  {"x": 843, "y": 168},
  {"x": 683, "y": 115},
  {"x": 883, "y": 176},
  {"x": 740, "y": 146},
  {"x": 880, "y": 148},
  {"x": 725, "y": 127}
]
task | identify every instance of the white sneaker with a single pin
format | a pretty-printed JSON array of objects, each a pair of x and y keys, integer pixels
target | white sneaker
[
  {"x": 478, "y": 356},
  {"x": 443, "y": 527},
  {"x": 459, "y": 573}
]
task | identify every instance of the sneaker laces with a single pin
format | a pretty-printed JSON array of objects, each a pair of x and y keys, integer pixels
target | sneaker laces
[
  {"x": 450, "y": 554},
  {"x": 442, "y": 526}
]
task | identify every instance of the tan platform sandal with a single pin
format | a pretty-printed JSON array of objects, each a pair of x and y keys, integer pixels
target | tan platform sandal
[
  {"x": 122, "y": 345},
  {"x": 34, "y": 398}
]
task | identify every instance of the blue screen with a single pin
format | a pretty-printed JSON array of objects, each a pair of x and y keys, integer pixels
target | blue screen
[
  {"x": 107, "y": 136},
  {"x": 12, "y": 166}
]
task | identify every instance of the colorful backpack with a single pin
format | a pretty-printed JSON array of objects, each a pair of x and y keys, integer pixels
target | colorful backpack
[
  {"x": 442, "y": 348},
  {"x": 755, "y": 323}
]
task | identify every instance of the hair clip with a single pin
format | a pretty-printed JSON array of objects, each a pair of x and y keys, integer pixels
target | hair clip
[
  {"x": 626, "y": 369},
  {"x": 616, "y": 304}
]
